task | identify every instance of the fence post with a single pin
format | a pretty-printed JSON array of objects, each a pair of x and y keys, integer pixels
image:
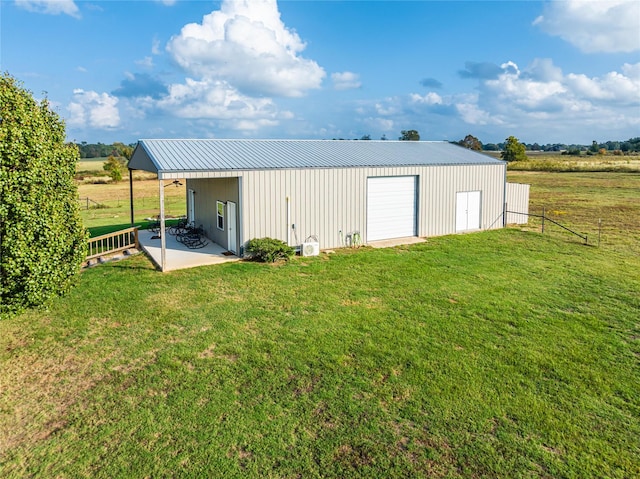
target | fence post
[
  {"x": 87, "y": 202},
  {"x": 504, "y": 214},
  {"x": 543, "y": 215},
  {"x": 599, "y": 230}
]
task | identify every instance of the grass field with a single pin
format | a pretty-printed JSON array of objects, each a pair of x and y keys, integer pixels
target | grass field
[
  {"x": 90, "y": 165},
  {"x": 584, "y": 163},
  {"x": 556, "y": 162},
  {"x": 114, "y": 197},
  {"x": 504, "y": 353},
  {"x": 581, "y": 200}
]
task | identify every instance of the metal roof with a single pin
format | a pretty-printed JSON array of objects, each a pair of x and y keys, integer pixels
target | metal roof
[{"x": 191, "y": 155}]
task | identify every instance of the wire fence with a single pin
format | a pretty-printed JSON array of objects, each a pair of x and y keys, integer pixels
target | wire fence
[
  {"x": 545, "y": 220},
  {"x": 87, "y": 203},
  {"x": 147, "y": 205}
]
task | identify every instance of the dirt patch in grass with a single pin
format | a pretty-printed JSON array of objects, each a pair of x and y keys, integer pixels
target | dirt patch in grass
[
  {"x": 368, "y": 303},
  {"x": 352, "y": 457},
  {"x": 241, "y": 454},
  {"x": 210, "y": 353},
  {"x": 37, "y": 388}
]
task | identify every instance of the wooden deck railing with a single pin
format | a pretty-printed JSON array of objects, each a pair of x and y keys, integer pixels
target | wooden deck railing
[{"x": 112, "y": 243}]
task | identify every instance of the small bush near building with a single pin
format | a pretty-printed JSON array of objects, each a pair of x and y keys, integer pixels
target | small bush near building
[{"x": 269, "y": 250}]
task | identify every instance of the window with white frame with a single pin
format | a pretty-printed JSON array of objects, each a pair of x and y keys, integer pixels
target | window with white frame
[{"x": 220, "y": 208}]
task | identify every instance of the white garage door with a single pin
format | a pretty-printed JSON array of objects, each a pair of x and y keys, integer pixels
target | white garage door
[
  {"x": 391, "y": 207},
  {"x": 468, "y": 210}
]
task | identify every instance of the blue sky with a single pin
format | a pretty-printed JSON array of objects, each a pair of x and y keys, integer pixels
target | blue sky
[{"x": 560, "y": 71}]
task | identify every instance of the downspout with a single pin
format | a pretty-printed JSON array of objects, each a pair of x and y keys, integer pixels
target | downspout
[
  {"x": 240, "y": 219},
  {"x": 288, "y": 222},
  {"x": 163, "y": 239}
]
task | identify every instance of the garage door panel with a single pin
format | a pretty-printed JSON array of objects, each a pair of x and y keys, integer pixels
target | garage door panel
[{"x": 391, "y": 207}]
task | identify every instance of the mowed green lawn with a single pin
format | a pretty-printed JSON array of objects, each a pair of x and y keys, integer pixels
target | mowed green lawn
[{"x": 496, "y": 354}]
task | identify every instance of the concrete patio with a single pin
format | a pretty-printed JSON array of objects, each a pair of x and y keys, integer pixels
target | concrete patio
[
  {"x": 178, "y": 256},
  {"x": 390, "y": 243}
]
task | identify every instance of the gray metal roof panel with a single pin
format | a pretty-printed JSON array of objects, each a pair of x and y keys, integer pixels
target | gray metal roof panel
[{"x": 211, "y": 155}]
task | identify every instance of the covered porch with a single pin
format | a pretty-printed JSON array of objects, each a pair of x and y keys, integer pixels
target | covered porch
[
  {"x": 213, "y": 204},
  {"x": 177, "y": 255}
]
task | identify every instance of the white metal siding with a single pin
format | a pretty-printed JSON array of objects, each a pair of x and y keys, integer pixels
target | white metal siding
[
  {"x": 518, "y": 202},
  {"x": 331, "y": 202},
  {"x": 439, "y": 186},
  {"x": 391, "y": 207}
]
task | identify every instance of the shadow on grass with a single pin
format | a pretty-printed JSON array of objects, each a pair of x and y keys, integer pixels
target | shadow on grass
[{"x": 138, "y": 261}]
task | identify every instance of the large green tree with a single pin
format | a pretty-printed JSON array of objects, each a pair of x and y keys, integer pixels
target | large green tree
[
  {"x": 514, "y": 150},
  {"x": 471, "y": 142},
  {"x": 409, "y": 135},
  {"x": 42, "y": 240}
]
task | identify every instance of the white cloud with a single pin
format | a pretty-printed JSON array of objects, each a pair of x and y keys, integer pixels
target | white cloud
[
  {"x": 379, "y": 124},
  {"x": 246, "y": 44},
  {"x": 50, "y": 7},
  {"x": 216, "y": 99},
  {"x": 346, "y": 80},
  {"x": 387, "y": 108},
  {"x": 530, "y": 91},
  {"x": 146, "y": 62},
  {"x": 543, "y": 69},
  {"x": 430, "y": 98},
  {"x": 473, "y": 115},
  {"x": 632, "y": 71},
  {"x": 250, "y": 125},
  {"x": 538, "y": 101},
  {"x": 550, "y": 105},
  {"x": 155, "y": 47},
  {"x": 523, "y": 91},
  {"x": 613, "y": 86},
  {"x": 92, "y": 109},
  {"x": 594, "y": 26}
]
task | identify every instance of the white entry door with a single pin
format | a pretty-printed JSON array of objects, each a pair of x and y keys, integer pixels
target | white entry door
[
  {"x": 467, "y": 210},
  {"x": 391, "y": 207},
  {"x": 232, "y": 239}
]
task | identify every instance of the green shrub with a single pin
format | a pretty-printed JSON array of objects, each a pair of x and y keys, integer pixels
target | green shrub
[
  {"x": 269, "y": 250},
  {"x": 114, "y": 166},
  {"x": 42, "y": 240}
]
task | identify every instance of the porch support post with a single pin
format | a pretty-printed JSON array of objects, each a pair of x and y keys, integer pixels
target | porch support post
[
  {"x": 163, "y": 239},
  {"x": 131, "y": 194}
]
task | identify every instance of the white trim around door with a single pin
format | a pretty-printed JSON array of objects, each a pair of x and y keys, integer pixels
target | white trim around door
[
  {"x": 232, "y": 237},
  {"x": 468, "y": 210}
]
